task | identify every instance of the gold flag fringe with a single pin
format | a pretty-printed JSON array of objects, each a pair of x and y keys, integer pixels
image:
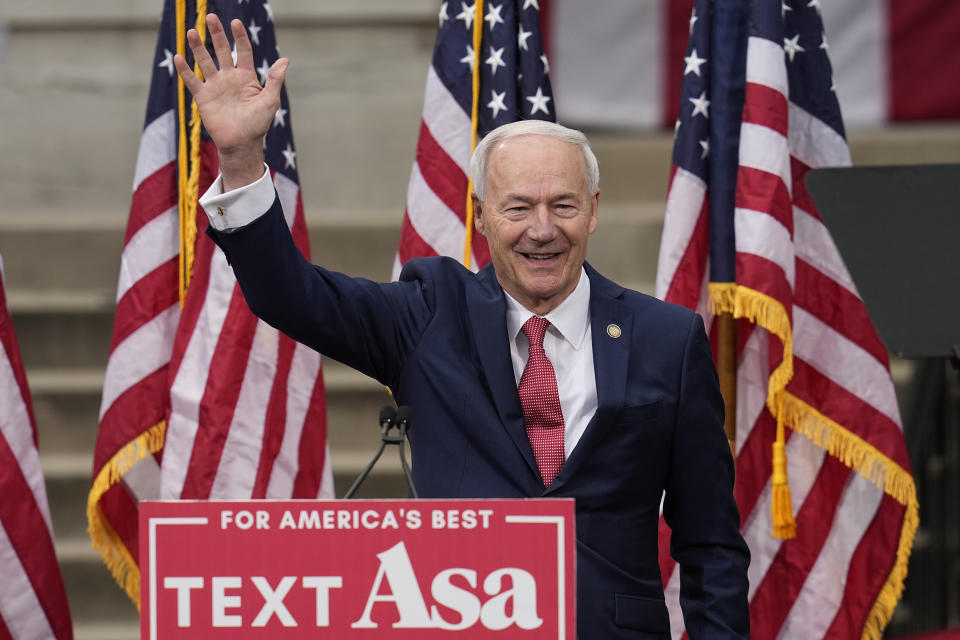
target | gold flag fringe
[
  {"x": 883, "y": 472},
  {"x": 766, "y": 312},
  {"x": 105, "y": 540},
  {"x": 827, "y": 434},
  {"x": 892, "y": 589}
]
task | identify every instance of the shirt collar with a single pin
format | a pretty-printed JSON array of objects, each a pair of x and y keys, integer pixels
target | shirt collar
[{"x": 571, "y": 317}]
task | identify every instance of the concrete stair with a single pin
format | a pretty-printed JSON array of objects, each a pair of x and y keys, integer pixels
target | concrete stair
[{"x": 356, "y": 84}]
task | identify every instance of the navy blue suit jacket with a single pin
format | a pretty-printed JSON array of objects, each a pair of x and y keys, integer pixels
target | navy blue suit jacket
[{"x": 438, "y": 339}]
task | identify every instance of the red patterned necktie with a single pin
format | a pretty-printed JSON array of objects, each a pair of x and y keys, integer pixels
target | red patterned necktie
[{"x": 540, "y": 403}]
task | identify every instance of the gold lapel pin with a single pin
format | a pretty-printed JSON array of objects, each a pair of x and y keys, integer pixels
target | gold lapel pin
[{"x": 614, "y": 331}]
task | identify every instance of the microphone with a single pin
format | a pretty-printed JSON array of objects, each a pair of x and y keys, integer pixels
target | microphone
[
  {"x": 403, "y": 416},
  {"x": 390, "y": 418},
  {"x": 404, "y": 422}
]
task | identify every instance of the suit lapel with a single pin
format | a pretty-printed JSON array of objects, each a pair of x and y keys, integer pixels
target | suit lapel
[
  {"x": 611, "y": 326},
  {"x": 487, "y": 318}
]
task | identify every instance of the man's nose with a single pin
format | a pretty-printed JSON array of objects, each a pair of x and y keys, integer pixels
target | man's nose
[{"x": 541, "y": 227}]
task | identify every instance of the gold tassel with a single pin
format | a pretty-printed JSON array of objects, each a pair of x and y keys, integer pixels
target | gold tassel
[{"x": 784, "y": 526}]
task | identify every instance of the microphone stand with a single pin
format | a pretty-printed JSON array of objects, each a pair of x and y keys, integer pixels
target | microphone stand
[{"x": 390, "y": 418}]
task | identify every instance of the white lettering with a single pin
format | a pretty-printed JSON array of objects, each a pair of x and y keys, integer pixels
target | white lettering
[
  {"x": 453, "y": 597},
  {"x": 369, "y": 519},
  {"x": 244, "y": 520},
  {"x": 183, "y": 586},
  {"x": 309, "y": 520},
  {"x": 437, "y": 519},
  {"x": 323, "y": 584},
  {"x": 287, "y": 521},
  {"x": 493, "y": 614},
  {"x": 222, "y": 602},
  {"x": 226, "y": 517},
  {"x": 389, "y": 521},
  {"x": 413, "y": 519},
  {"x": 404, "y": 592},
  {"x": 485, "y": 515},
  {"x": 263, "y": 519},
  {"x": 273, "y": 601}
]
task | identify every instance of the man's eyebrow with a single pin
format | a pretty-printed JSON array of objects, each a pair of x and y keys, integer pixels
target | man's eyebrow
[{"x": 516, "y": 197}]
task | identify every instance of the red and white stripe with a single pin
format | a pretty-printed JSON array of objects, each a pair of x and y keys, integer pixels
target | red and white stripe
[
  {"x": 890, "y": 60},
  {"x": 244, "y": 406},
  {"x": 824, "y": 582},
  {"x": 434, "y": 220},
  {"x": 33, "y": 603},
  {"x": 246, "y": 417}
]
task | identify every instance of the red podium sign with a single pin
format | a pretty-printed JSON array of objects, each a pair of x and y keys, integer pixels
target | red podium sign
[{"x": 398, "y": 569}]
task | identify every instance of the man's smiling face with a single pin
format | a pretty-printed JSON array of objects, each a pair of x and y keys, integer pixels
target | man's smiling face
[{"x": 536, "y": 216}]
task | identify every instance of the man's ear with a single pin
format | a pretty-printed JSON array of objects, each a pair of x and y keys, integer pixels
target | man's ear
[
  {"x": 478, "y": 220},
  {"x": 595, "y": 206}
]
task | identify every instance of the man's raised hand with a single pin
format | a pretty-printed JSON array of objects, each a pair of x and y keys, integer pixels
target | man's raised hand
[{"x": 236, "y": 111}]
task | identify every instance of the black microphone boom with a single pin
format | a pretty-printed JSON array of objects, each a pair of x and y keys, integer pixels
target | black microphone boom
[{"x": 401, "y": 418}]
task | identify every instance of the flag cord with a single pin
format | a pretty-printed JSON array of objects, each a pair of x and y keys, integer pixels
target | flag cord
[
  {"x": 477, "y": 39},
  {"x": 188, "y": 156}
]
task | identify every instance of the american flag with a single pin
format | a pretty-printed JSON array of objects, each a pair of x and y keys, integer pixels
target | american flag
[
  {"x": 33, "y": 602},
  {"x": 488, "y": 69},
  {"x": 889, "y": 60},
  {"x": 201, "y": 399},
  {"x": 741, "y": 235}
]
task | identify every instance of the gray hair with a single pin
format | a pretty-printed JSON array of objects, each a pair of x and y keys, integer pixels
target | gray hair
[{"x": 478, "y": 162}]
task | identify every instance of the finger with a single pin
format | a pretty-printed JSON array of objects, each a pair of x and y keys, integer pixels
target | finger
[
  {"x": 190, "y": 79},
  {"x": 244, "y": 48},
  {"x": 200, "y": 54},
  {"x": 221, "y": 46},
  {"x": 275, "y": 76}
]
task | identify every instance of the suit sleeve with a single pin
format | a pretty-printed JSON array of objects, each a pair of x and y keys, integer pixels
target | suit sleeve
[
  {"x": 369, "y": 326},
  {"x": 699, "y": 505}
]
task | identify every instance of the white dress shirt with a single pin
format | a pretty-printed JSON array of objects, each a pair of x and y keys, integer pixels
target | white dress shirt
[
  {"x": 568, "y": 344},
  {"x": 238, "y": 207}
]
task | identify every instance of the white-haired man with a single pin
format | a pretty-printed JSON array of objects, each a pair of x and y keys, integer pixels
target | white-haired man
[{"x": 536, "y": 376}]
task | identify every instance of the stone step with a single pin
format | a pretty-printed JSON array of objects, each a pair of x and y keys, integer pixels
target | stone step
[
  {"x": 356, "y": 89},
  {"x": 67, "y": 404},
  {"x": 356, "y": 86},
  {"x": 107, "y": 630},
  {"x": 36, "y": 250}
]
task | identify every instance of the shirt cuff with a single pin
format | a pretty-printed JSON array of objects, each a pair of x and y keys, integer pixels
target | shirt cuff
[{"x": 238, "y": 207}]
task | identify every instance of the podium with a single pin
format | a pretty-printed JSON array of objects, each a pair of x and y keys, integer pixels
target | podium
[{"x": 347, "y": 569}]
